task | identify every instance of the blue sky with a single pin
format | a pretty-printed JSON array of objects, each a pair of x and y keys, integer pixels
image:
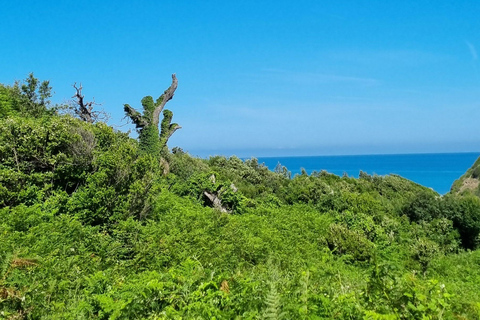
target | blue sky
[{"x": 265, "y": 78}]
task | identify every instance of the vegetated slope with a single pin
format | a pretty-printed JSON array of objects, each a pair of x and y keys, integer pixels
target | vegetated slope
[
  {"x": 469, "y": 183},
  {"x": 92, "y": 229}
]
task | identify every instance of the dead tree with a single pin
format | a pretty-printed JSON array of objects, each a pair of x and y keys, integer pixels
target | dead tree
[
  {"x": 153, "y": 139},
  {"x": 84, "y": 110}
]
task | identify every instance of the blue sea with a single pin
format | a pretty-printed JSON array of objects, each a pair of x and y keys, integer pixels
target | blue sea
[{"x": 434, "y": 170}]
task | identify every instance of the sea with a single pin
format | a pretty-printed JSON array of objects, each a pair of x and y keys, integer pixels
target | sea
[{"x": 433, "y": 170}]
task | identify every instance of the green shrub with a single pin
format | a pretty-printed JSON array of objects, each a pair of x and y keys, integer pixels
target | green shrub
[
  {"x": 425, "y": 206},
  {"x": 465, "y": 214},
  {"x": 342, "y": 240}
]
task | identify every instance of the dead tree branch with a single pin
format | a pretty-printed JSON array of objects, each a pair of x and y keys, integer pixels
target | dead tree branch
[
  {"x": 84, "y": 110},
  {"x": 164, "y": 98}
]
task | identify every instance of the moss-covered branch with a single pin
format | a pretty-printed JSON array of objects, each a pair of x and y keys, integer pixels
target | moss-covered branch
[
  {"x": 167, "y": 128},
  {"x": 163, "y": 99},
  {"x": 135, "y": 116}
]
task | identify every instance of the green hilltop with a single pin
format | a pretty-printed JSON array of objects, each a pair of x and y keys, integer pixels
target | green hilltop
[
  {"x": 469, "y": 183},
  {"x": 97, "y": 225}
]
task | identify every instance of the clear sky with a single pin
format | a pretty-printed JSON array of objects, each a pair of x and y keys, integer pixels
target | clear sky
[{"x": 265, "y": 78}]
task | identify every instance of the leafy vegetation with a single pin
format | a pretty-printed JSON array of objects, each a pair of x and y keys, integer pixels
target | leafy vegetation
[
  {"x": 469, "y": 183},
  {"x": 92, "y": 227},
  {"x": 153, "y": 140}
]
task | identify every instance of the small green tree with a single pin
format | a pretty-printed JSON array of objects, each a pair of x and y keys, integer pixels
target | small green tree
[
  {"x": 153, "y": 140},
  {"x": 37, "y": 92},
  {"x": 29, "y": 98}
]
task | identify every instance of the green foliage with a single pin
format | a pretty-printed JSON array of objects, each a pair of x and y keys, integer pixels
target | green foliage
[
  {"x": 273, "y": 307},
  {"x": 6, "y": 103},
  {"x": 342, "y": 240},
  {"x": 29, "y": 98},
  {"x": 206, "y": 182},
  {"x": 149, "y": 141},
  {"x": 93, "y": 228},
  {"x": 465, "y": 214},
  {"x": 310, "y": 190},
  {"x": 250, "y": 177},
  {"x": 153, "y": 140},
  {"x": 468, "y": 183},
  {"x": 423, "y": 207},
  {"x": 393, "y": 296},
  {"x": 282, "y": 170},
  {"x": 184, "y": 166},
  {"x": 41, "y": 155},
  {"x": 476, "y": 169}
]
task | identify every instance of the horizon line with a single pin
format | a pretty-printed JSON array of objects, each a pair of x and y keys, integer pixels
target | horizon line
[{"x": 196, "y": 154}]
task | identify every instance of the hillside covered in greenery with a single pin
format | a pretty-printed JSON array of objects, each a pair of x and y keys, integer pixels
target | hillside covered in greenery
[
  {"x": 469, "y": 183},
  {"x": 93, "y": 225}
]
